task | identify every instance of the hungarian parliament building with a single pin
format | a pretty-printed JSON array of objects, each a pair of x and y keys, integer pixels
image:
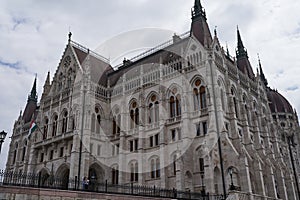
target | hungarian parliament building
[{"x": 185, "y": 115}]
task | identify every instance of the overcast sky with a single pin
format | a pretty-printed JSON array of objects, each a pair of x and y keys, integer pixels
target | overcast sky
[{"x": 33, "y": 35}]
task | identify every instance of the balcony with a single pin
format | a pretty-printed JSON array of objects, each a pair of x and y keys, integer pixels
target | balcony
[{"x": 174, "y": 120}]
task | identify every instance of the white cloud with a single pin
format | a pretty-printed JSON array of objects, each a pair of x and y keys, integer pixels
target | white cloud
[{"x": 34, "y": 34}]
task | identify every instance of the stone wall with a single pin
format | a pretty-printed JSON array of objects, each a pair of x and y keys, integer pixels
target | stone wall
[{"x": 23, "y": 193}]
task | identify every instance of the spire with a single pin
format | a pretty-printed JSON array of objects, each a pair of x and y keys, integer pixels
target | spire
[
  {"x": 199, "y": 27},
  {"x": 243, "y": 63},
  {"x": 33, "y": 95},
  {"x": 227, "y": 50},
  {"x": 47, "y": 86},
  {"x": 241, "y": 50},
  {"x": 261, "y": 73},
  {"x": 198, "y": 9}
]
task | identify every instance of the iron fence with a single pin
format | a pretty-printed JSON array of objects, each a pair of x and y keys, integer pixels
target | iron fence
[{"x": 52, "y": 182}]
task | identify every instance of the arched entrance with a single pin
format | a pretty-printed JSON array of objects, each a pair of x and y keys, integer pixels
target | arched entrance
[
  {"x": 44, "y": 178},
  {"x": 62, "y": 177},
  {"x": 96, "y": 175}
]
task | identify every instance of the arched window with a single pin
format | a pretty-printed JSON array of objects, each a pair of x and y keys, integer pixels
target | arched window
[
  {"x": 116, "y": 124},
  {"x": 174, "y": 164},
  {"x": 96, "y": 121},
  {"x": 155, "y": 168},
  {"x": 93, "y": 123},
  {"x": 115, "y": 175},
  {"x": 54, "y": 125},
  {"x": 199, "y": 95},
  {"x": 24, "y": 150},
  {"x": 235, "y": 104},
  {"x": 222, "y": 99},
  {"x": 175, "y": 104},
  {"x": 65, "y": 122},
  {"x": 45, "y": 129},
  {"x": 133, "y": 171},
  {"x": 15, "y": 153},
  {"x": 153, "y": 110},
  {"x": 134, "y": 115}
]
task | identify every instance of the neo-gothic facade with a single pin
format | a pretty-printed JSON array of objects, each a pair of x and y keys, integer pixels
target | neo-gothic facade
[{"x": 156, "y": 120}]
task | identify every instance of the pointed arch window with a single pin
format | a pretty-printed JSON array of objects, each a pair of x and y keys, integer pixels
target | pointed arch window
[
  {"x": 65, "y": 122},
  {"x": 155, "y": 168},
  {"x": 199, "y": 95},
  {"x": 174, "y": 164},
  {"x": 116, "y": 124},
  {"x": 134, "y": 172},
  {"x": 45, "y": 128},
  {"x": 96, "y": 121},
  {"x": 15, "y": 153},
  {"x": 24, "y": 150},
  {"x": 175, "y": 104},
  {"x": 54, "y": 125},
  {"x": 235, "y": 104},
  {"x": 153, "y": 110},
  {"x": 134, "y": 115}
]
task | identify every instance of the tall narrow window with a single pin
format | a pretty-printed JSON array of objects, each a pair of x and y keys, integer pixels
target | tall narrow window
[
  {"x": 15, "y": 153},
  {"x": 157, "y": 168},
  {"x": 93, "y": 120},
  {"x": 172, "y": 107},
  {"x": 152, "y": 168},
  {"x": 201, "y": 165},
  {"x": 115, "y": 175},
  {"x": 235, "y": 104},
  {"x": 45, "y": 132},
  {"x": 204, "y": 127},
  {"x": 203, "y": 97},
  {"x": 175, "y": 104},
  {"x": 153, "y": 110},
  {"x": 24, "y": 150},
  {"x": 174, "y": 164},
  {"x": 134, "y": 115},
  {"x": 198, "y": 132},
  {"x": 65, "y": 122},
  {"x": 199, "y": 95},
  {"x": 134, "y": 172},
  {"x": 54, "y": 125},
  {"x": 97, "y": 120}
]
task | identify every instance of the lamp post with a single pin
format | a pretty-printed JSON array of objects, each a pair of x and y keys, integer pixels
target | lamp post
[
  {"x": 231, "y": 185},
  {"x": 2, "y": 137}
]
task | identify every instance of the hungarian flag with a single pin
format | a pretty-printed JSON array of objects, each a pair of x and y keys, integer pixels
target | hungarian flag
[{"x": 32, "y": 128}]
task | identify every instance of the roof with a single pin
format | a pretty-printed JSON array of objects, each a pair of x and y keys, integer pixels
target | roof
[
  {"x": 162, "y": 56},
  {"x": 278, "y": 104},
  {"x": 98, "y": 64}
]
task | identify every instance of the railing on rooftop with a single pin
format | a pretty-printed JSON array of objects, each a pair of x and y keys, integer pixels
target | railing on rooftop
[
  {"x": 154, "y": 49},
  {"x": 8, "y": 178},
  {"x": 86, "y": 50}
]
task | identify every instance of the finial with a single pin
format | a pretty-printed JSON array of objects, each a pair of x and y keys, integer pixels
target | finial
[
  {"x": 70, "y": 35},
  {"x": 215, "y": 31},
  {"x": 227, "y": 51}
]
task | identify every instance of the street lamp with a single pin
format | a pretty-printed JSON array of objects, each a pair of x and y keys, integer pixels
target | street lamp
[
  {"x": 2, "y": 137},
  {"x": 230, "y": 170}
]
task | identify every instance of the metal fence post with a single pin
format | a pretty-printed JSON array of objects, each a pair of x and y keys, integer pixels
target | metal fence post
[
  {"x": 131, "y": 188},
  {"x": 106, "y": 185},
  {"x": 39, "y": 180}
]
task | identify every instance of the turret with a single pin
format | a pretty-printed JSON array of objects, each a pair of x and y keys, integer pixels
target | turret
[
  {"x": 242, "y": 58},
  {"x": 31, "y": 104},
  {"x": 199, "y": 27}
]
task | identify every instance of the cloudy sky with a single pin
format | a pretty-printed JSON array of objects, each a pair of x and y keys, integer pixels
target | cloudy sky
[{"x": 33, "y": 35}]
